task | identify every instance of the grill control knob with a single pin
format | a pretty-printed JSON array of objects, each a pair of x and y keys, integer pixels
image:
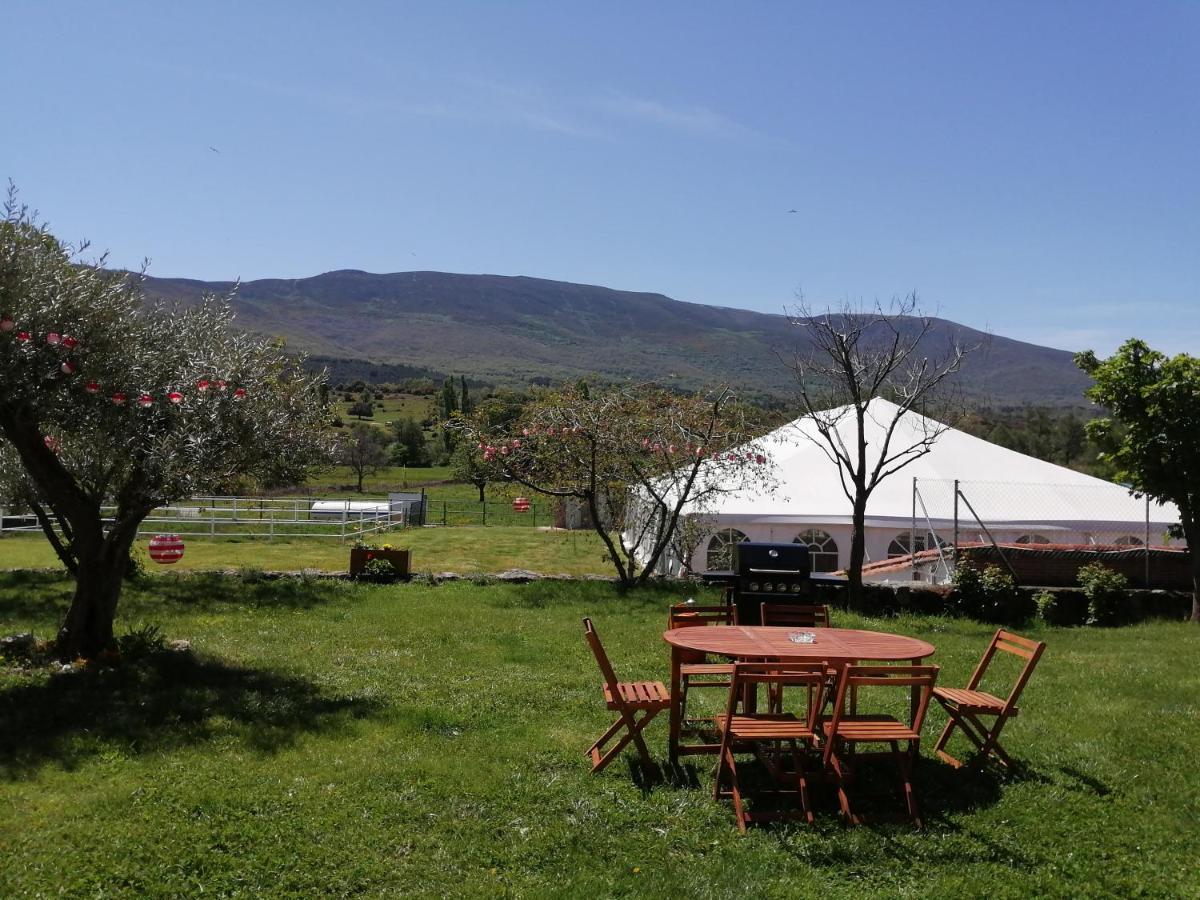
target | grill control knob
[
  {"x": 754, "y": 586},
  {"x": 768, "y": 586},
  {"x": 795, "y": 588}
]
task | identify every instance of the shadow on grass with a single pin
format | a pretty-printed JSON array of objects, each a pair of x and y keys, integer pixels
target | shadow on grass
[
  {"x": 677, "y": 776},
  {"x": 596, "y": 594},
  {"x": 27, "y": 595},
  {"x": 168, "y": 701}
]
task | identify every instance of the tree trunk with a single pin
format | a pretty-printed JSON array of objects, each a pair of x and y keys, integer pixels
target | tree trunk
[
  {"x": 360, "y": 481},
  {"x": 88, "y": 627},
  {"x": 1189, "y": 534},
  {"x": 481, "y": 485},
  {"x": 858, "y": 549},
  {"x": 103, "y": 563}
]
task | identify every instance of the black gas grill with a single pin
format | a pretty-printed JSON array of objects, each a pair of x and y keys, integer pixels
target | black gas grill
[{"x": 768, "y": 573}]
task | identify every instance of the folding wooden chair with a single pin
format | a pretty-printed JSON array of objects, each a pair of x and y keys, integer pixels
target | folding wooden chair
[
  {"x": 789, "y": 615},
  {"x": 695, "y": 670},
  {"x": 844, "y": 731},
  {"x": 628, "y": 697},
  {"x": 966, "y": 705},
  {"x": 766, "y": 734}
]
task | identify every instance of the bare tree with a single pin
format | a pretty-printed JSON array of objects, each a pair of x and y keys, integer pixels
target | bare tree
[{"x": 853, "y": 356}]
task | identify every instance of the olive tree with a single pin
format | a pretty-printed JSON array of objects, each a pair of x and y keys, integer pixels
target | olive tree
[
  {"x": 1152, "y": 432},
  {"x": 114, "y": 405},
  {"x": 637, "y": 459}
]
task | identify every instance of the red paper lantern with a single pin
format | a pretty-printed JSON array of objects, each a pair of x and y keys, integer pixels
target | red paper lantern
[
  {"x": 24, "y": 336},
  {"x": 69, "y": 342},
  {"x": 53, "y": 337},
  {"x": 521, "y": 504},
  {"x": 145, "y": 401},
  {"x": 166, "y": 549},
  {"x": 69, "y": 368},
  {"x": 175, "y": 397},
  {"x": 239, "y": 394},
  {"x": 221, "y": 385},
  {"x": 92, "y": 387},
  {"x": 119, "y": 399},
  {"x": 51, "y": 443},
  {"x": 202, "y": 385},
  {"x": 7, "y": 324}
]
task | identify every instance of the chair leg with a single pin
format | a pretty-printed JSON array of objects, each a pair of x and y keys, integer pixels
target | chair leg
[
  {"x": 633, "y": 729},
  {"x": 905, "y": 763},
  {"x": 801, "y": 783},
  {"x": 992, "y": 744},
  {"x": 839, "y": 777}
]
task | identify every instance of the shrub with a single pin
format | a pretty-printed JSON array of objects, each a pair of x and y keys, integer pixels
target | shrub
[
  {"x": 140, "y": 643},
  {"x": 991, "y": 595},
  {"x": 1109, "y": 602},
  {"x": 378, "y": 569}
]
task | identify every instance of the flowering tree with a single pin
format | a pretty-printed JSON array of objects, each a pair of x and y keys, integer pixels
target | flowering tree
[
  {"x": 637, "y": 459},
  {"x": 113, "y": 406}
]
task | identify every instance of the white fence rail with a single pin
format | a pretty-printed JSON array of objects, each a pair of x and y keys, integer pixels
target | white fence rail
[{"x": 200, "y": 517}]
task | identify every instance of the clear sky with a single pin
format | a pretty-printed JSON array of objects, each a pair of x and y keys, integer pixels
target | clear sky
[{"x": 1029, "y": 168}]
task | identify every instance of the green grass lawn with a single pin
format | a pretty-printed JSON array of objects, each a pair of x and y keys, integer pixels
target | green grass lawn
[
  {"x": 335, "y": 739},
  {"x": 464, "y": 550}
]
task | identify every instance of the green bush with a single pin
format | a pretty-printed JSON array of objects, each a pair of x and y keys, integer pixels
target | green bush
[
  {"x": 1062, "y": 607},
  {"x": 379, "y": 570},
  {"x": 991, "y": 595},
  {"x": 1109, "y": 602}
]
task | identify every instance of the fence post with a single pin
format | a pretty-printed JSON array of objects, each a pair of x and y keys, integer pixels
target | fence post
[
  {"x": 212, "y": 520},
  {"x": 443, "y": 513},
  {"x": 955, "y": 526},
  {"x": 234, "y": 509},
  {"x": 1146, "y": 546},
  {"x": 271, "y": 526},
  {"x": 912, "y": 535}
]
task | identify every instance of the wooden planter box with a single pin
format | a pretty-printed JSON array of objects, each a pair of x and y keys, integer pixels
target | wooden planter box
[{"x": 398, "y": 558}]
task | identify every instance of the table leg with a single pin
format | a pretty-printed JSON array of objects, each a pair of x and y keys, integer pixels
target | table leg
[
  {"x": 676, "y": 706},
  {"x": 915, "y": 698}
]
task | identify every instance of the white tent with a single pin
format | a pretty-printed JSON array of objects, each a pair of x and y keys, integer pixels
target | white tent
[{"x": 1017, "y": 497}]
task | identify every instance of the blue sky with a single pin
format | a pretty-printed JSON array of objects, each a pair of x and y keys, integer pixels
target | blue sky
[{"x": 1028, "y": 168}]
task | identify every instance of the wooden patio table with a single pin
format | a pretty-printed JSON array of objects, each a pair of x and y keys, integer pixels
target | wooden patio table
[{"x": 838, "y": 646}]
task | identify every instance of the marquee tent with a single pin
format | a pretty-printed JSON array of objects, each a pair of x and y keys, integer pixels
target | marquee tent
[{"x": 1006, "y": 495}]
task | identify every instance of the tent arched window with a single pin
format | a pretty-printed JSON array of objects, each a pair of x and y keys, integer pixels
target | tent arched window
[
  {"x": 1032, "y": 539},
  {"x": 720, "y": 548},
  {"x": 1129, "y": 540},
  {"x": 822, "y": 549},
  {"x": 924, "y": 541}
]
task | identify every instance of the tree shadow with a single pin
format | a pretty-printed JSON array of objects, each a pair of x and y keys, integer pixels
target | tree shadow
[
  {"x": 168, "y": 701},
  {"x": 37, "y": 595}
]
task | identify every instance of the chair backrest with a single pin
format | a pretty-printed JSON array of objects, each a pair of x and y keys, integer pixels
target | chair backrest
[
  {"x": 1008, "y": 642},
  {"x": 922, "y": 678},
  {"x": 686, "y": 615},
  {"x": 811, "y": 675},
  {"x": 795, "y": 616},
  {"x": 606, "y": 669}
]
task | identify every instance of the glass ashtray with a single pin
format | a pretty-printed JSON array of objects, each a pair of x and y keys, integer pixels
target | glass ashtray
[{"x": 802, "y": 637}]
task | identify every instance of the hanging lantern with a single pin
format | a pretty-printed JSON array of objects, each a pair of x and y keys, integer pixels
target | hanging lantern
[
  {"x": 175, "y": 397},
  {"x": 520, "y": 504},
  {"x": 69, "y": 368},
  {"x": 92, "y": 387},
  {"x": 202, "y": 385},
  {"x": 145, "y": 401},
  {"x": 69, "y": 342},
  {"x": 24, "y": 336},
  {"x": 53, "y": 338},
  {"x": 51, "y": 443},
  {"x": 239, "y": 394},
  {"x": 166, "y": 549},
  {"x": 7, "y": 324},
  {"x": 119, "y": 399},
  {"x": 221, "y": 385}
]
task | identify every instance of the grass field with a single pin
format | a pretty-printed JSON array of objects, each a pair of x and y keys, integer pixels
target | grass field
[
  {"x": 435, "y": 550},
  {"x": 338, "y": 739},
  {"x": 395, "y": 406},
  {"x": 464, "y": 550}
]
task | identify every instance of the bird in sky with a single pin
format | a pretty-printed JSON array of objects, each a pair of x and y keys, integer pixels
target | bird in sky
[
  {"x": 793, "y": 210},
  {"x": 215, "y": 150}
]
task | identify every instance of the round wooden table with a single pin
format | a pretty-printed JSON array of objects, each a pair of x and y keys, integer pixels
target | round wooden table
[{"x": 837, "y": 646}]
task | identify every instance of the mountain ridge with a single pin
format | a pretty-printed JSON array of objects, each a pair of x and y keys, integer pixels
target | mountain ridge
[{"x": 516, "y": 328}]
